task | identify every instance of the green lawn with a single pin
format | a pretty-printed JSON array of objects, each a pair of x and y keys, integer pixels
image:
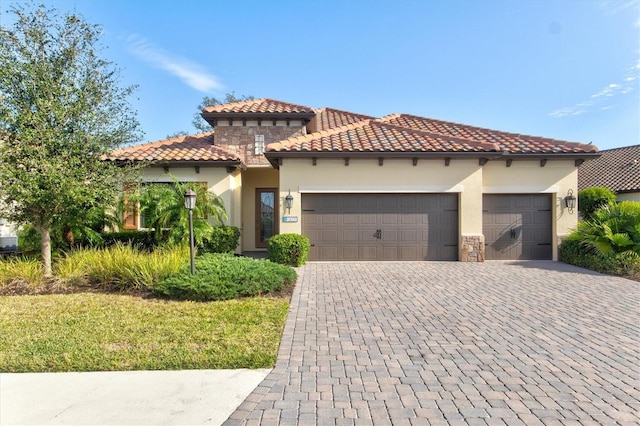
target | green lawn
[{"x": 97, "y": 332}]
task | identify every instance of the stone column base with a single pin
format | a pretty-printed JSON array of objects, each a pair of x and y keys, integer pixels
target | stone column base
[{"x": 472, "y": 248}]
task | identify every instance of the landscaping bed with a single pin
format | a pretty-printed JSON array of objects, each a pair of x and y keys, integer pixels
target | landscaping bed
[{"x": 102, "y": 311}]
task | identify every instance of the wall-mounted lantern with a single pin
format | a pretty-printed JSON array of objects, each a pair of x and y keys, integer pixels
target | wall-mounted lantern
[
  {"x": 288, "y": 202},
  {"x": 570, "y": 201}
]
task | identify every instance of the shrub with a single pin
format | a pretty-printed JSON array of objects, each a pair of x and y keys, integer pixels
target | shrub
[
  {"x": 592, "y": 199},
  {"x": 572, "y": 251},
  {"x": 612, "y": 229},
  {"x": 21, "y": 271},
  {"x": 121, "y": 267},
  {"x": 289, "y": 249},
  {"x": 223, "y": 276},
  {"x": 223, "y": 239}
]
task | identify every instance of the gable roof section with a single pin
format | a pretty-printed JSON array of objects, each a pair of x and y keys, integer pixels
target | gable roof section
[
  {"x": 373, "y": 136},
  {"x": 185, "y": 149},
  {"x": 617, "y": 169},
  {"x": 329, "y": 118},
  {"x": 508, "y": 142}
]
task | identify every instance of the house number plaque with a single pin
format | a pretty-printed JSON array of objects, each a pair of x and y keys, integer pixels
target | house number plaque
[{"x": 289, "y": 219}]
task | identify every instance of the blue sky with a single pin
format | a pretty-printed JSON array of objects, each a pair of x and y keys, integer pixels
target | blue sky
[{"x": 567, "y": 70}]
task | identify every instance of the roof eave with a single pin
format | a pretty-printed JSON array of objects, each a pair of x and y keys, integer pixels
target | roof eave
[{"x": 213, "y": 117}]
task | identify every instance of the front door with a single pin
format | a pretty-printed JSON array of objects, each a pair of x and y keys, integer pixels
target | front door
[{"x": 266, "y": 215}]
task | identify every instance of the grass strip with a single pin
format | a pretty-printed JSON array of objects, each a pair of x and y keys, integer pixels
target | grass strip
[{"x": 108, "y": 332}]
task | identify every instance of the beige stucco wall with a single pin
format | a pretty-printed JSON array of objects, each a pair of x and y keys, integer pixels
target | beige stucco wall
[
  {"x": 527, "y": 177},
  {"x": 226, "y": 185},
  {"x": 395, "y": 175},
  {"x": 252, "y": 178}
]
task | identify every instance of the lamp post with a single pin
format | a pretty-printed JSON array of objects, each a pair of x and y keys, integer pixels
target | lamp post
[{"x": 190, "y": 204}]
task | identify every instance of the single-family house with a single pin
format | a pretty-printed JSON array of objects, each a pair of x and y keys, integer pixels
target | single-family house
[
  {"x": 398, "y": 187},
  {"x": 617, "y": 169}
]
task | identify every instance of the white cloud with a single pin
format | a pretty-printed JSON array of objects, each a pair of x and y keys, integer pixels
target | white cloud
[
  {"x": 191, "y": 73},
  {"x": 618, "y": 6},
  {"x": 626, "y": 85}
]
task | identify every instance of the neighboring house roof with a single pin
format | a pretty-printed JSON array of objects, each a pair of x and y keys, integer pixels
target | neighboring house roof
[
  {"x": 617, "y": 169},
  {"x": 196, "y": 148}
]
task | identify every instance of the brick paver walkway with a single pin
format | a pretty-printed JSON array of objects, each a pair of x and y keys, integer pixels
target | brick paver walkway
[{"x": 454, "y": 343}]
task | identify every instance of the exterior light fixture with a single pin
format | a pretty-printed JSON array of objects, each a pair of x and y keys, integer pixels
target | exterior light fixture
[
  {"x": 288, "y": 202},
  {"x": 190, "y": 204},
  {"x": 570, "y": 201}
]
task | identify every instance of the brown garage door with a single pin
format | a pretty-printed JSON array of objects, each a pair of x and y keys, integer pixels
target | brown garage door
[
  {"x": 517, "y": 226},
  {"x": 381, "y": 226}
]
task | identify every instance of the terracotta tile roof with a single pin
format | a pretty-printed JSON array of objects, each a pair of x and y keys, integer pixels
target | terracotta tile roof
[
  {"x": 617, "y": 169},
  {"x": 376, "y": 136},
  {"x": 263, "y": 105},
  {"x": 329, "y": 118},
  {"x": 183, "y": 148},
  {"x": 511, "y": 142}
]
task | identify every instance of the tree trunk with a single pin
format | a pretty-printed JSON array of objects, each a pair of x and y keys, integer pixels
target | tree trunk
[{"x": 45, "y": 248}]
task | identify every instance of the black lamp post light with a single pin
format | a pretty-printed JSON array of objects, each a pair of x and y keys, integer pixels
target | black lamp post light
[
  {"x": 190, "y": 204},
  {"x": 570, "y": 201}
]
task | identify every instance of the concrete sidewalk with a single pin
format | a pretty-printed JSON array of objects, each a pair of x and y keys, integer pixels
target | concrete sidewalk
[{"x": 202, "y": 397}]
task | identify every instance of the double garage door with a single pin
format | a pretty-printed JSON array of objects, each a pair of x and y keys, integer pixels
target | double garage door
[
  {"x": 381, "y": 226},
  {"x": 422, "y": 226}
]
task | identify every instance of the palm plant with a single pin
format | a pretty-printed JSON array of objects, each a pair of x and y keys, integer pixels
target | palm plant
[
  {"x": 162, "y": 207},
  {"x": 612, "y": 230}
]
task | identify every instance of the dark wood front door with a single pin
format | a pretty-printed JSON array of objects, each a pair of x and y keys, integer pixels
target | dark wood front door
[{"x": 266, "y": 215}]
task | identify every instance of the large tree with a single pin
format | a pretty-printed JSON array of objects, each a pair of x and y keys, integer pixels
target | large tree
[
  {"x": 62, "y": 108},
  {"x": 200, "y": 123}
]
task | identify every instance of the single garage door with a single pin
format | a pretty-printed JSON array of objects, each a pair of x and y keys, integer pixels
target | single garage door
[
  {"x": 517, "y": 226},
  {"x": 381, "y": 226}
]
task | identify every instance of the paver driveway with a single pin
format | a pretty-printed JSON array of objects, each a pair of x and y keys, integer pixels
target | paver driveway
[{"x": 454, "y": 343}]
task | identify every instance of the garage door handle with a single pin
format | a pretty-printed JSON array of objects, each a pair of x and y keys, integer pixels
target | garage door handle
[{"x": 513, "y": 233}]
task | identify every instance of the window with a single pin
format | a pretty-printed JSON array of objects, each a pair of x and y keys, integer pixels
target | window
[{"x": 259, "y": 145}]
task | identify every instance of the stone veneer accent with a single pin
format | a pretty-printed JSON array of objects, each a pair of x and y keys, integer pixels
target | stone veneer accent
[
  {"x": 241, "y": 139},
  {"x": 472, "y": 248}
]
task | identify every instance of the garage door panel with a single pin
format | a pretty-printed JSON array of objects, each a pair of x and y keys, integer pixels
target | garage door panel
[
  {"x": 390, "y": 236},
  {"x": 408, "y": 236},
  {"x": 350, "y": 236},
  {"x": 368, "y": 219},
  {"x": 390, "y": 219},
  {"x": 329, "y": 219},
  {"x": 390, "y": 253},
  {"x": 368, "y": 252},
  {"x": 330, "y": 236},
  {"x": 349, "y": 252},
  {"x": 412, "y": 226}
]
